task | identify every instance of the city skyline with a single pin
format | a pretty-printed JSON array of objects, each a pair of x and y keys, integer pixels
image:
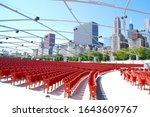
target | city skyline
[{"x": 61, "y": 20}]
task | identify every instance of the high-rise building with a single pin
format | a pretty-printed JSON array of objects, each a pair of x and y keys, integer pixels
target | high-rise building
[
  {"x": 147, "y": 27},
  {"x": 118, "y": 39},
  {"x": 117, "y": 25},
  {"x": 25, "y": 54},
  {"x": 130, "y": 31},
  {"x": 86, "y": 34},
  {"x": 147, "y": 24},
  {"x": 49, "y": 43},
  {"x": 136, "y": 39},
  {"x": 35, "y": 52},
  {"x": 131, "y": 26}
]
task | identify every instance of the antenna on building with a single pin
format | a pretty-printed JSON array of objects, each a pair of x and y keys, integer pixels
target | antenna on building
[
  {"x": 42, "y": 47},
  {"x": 130, "y": 20}
]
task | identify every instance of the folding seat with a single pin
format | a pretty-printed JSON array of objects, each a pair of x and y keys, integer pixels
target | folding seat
[
  {"x": 128, "y": 75},
  {"x": 37, "y": 79},
  {"x": 92, "y": 84},
  {"x": 67, "y": 86},
  {"x": 125, "y": 74},
  {"x": 133, "y": 78},
  {"x": 92, "y": 92},
  {"x": 48, "y": 81},
  {"x": 29, "y": 80},
  {"x": 148, "y": 82},
  {"x": 5, "y": 73},
  {"x": 146, "y": 72},
  {"x": 67, "y": 90},
  {"x": 122, "y": 70},
  {"x": 16, "y": 76},
  {"x": 141, "y": 81}
]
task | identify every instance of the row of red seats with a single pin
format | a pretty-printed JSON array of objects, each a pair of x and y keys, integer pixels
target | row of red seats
[
  {"x": 49, "y": 81},
  {"x": 137, "y": 75},
  {"x": 90, "y": 66},
  {"x": 92, "y": 84},
  {"x": 67, "y": 79},
  {"x": 4, "y": 73},
  {"x": 71, "y": 83},
  {"x": 93, "y": 75},
  {"x": 51, "y": 73}
]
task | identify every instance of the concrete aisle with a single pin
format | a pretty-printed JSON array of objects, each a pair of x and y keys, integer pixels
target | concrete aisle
[{"x": 113, "y": 87}]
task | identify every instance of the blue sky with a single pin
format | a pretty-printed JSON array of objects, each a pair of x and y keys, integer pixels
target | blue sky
[{"x": 50, "y": 9}]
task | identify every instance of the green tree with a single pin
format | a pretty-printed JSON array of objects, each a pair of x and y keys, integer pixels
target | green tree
[
  {"x": 132, "y": 53},
  {"x": 141, "y": 53},
  {"x": 147, "y": 53},
  {"x": 122, "y": 54},
  {"x": 106, "y": 57},
  {"x": 73, "y": 58},
  {"x": 83, "y": 56},
  {"x": 58, "y": 57},
  {"x": 98, "y": 55}
]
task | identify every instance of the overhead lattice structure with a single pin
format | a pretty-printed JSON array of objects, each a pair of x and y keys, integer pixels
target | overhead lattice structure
[{"x": 23, "y": 24}]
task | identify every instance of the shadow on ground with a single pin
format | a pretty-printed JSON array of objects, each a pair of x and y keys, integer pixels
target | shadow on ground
[
  {"x": 100, "y": 92},
  {"x": 21, "y": 85},
  {"x": 58, "y": 91},
  {"x": 79, "y": 91},
  {"x": 39, "y": 88},
  {"x": 5, "y": 81}
]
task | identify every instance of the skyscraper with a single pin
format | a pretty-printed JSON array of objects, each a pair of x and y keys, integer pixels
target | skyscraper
[
  {"x": 49, "y": 43},
  {"x": 35, "y": 52},
  {"x": 130, "y": 26},
  {"x": 117, "y": 25},
  {"x": 147, "y": 27},
  {"x": 86, "y": 34},
  {"x": 118, "y": 40},
  {"x": 147, "y": 24},
  {"x": 130, "y": 31}
]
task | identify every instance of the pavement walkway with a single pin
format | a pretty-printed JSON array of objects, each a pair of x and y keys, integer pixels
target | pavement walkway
[{"x": 112, "y": 86}]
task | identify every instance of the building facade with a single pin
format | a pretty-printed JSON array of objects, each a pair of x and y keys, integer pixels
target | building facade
[
  {"x": 118, "y": 39},
  {"x": 49, "y": 43},
  {"x": 71, "y": 48},
  {"x": 136, "y": 39},
  {"x": 147, "y": 24},
  {"x": 117, "y": 25},
  {"x": 86, "y": 34},
  {"x": 35, "y": 52},
  {"x": 147, "y": 27},
  {"x": 130, "y": 30}
]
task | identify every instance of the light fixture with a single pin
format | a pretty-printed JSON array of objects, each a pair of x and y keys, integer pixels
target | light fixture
[
  {"x": 37, "y": 18},
  {"x": 123, "y": 17},
  {"x": 100, "y": 37},
  {"x": 17, "y": 31},
  {"x": 75, "y": 29},
  {"x": 142, "y": 30}
]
